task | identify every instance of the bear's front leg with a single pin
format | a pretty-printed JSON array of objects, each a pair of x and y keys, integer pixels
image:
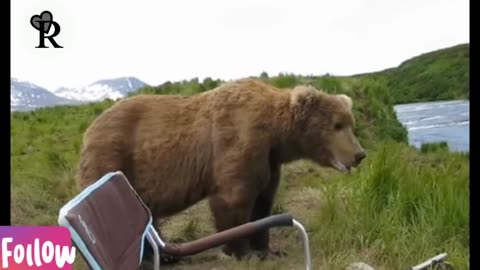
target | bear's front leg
[
  {"x": 263, "y": 208},
  {"x": 231, "y": 207}
]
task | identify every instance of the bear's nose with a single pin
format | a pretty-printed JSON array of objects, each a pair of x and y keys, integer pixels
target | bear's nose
[{"x": 360, "y": 156}]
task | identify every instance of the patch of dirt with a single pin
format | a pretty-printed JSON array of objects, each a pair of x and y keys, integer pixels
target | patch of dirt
[{"x": 300, "y": 202}]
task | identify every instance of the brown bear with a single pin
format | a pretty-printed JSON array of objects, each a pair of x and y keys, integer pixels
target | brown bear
[{"x": 226, "y": 144}]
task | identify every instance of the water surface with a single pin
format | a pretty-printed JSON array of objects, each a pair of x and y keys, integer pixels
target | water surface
[{"x": 429, "y": 122}]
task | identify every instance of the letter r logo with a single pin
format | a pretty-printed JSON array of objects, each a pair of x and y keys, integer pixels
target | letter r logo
[{"x": 43, "y": 23}]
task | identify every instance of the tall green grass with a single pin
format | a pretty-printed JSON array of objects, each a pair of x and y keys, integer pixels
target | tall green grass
[
  {"x": 400, "y": 208},
  {"x": 44, "y": 154}
]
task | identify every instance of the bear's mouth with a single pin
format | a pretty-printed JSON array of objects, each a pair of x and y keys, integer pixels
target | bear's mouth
[{"x": 340, "y": 166}]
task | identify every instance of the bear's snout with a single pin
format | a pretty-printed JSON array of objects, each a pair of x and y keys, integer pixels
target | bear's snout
[{"x": 359, "y": 156}]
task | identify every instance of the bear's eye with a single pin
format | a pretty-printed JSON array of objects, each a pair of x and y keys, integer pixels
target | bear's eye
[{"x": 338, "y": 126}]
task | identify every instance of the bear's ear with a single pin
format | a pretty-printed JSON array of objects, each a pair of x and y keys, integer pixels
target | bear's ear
[
  {"x": 302, "y": 98},
  {"x": 346, "y": 100},
  {"x": 302, "y": 95}
]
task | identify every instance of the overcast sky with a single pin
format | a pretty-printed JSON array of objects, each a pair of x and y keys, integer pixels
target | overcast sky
[{"x": 158, "y": 41}]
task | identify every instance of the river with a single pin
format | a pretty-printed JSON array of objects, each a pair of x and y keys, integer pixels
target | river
[{"x": 427, "y": 122}]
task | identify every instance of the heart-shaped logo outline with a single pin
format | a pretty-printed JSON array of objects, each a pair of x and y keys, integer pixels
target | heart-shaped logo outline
[{"x": 45, "y": 16}]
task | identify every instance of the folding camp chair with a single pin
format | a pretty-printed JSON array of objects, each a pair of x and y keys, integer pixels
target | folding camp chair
[{"x": 109, "y": 224}]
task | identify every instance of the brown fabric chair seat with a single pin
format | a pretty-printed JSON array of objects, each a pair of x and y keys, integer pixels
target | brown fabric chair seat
[{"x": 109, "y": 223}]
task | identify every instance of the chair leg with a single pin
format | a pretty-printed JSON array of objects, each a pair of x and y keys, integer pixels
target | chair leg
[
  {"x": 156, "y": 236},
  {"x": 306, "y": 247},
  {"x": 156, "y": 252}
]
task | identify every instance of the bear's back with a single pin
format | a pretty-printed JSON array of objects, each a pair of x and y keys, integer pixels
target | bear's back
[{"x": 150, "y": 135}]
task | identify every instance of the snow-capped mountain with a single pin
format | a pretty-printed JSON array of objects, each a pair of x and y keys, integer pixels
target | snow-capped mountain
[
  {"x": 25, "y": 96},
  {"x": 103, "y": 89}
]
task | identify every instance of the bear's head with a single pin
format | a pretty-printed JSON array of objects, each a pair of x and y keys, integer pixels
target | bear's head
[{"x": 324, "y": 126}]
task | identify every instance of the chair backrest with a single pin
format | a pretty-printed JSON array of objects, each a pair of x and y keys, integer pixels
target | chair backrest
[{"x": 109, "y": 223}]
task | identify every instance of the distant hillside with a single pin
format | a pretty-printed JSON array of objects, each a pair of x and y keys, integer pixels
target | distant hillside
[
  {"x": 439, "y": 75},
  {"x": 443, "y": 74}
]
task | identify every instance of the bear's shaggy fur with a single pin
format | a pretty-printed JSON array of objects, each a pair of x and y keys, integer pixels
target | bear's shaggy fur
[{"x": 227, "y": 144}]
